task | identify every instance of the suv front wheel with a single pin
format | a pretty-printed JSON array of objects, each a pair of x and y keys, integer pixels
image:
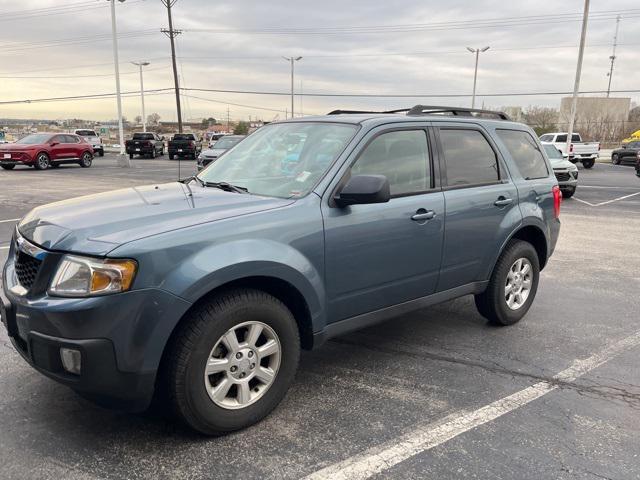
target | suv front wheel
[
  {"x": 513, "y": 284},
  {"x": 232, "y": 361}
]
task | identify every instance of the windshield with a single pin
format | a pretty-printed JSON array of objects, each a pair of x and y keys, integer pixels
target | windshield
[
  {"x": 552, "y": 152},
  {"x": 227, "y": 143},
  {"x": 282, "y": 160},
  {"x": 35, "y": 139},
  {"x": 143, "y": 136},
  {"x": 183, "y": 136}
]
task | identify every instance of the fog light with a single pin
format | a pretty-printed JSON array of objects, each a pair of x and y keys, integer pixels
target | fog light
[{"x": 71, "y": 360}]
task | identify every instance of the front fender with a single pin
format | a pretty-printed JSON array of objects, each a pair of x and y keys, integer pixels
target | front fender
[{"x": 222, "y": 263}]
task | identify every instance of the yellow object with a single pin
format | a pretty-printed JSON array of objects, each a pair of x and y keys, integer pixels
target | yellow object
[{"x": 635, "y": 136}]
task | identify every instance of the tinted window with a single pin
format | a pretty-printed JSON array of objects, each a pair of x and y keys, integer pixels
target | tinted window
[
  {"x": 575, "y": 137},
  {"x": 184, "y": 136},
  {"x": 143, "y": 136},
  {"x": 402, "y": 157},
  {"x": 59, "y": 139},
  {"x": 561, "y": 138},
  {"x": 546, "y": 138},
  {"x": 70, "y": 139},
  {"x": 86, "y": 133},
  {"x": 525, "y": 153},
  {"x": 469, "y": 157}
]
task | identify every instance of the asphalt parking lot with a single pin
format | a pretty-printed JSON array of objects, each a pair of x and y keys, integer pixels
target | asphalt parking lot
[{"x": 435, "y": 394}]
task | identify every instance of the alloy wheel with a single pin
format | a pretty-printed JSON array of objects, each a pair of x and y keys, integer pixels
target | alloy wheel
[
  {"x": 242, "y": 365},
  {"x": 518, "y": 284}
]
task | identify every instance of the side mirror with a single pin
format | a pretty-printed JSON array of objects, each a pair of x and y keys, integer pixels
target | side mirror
[
  {"x": 624, "y": 145},
  {"x": 362, "y": 189},
  {"x": 53, "y": 144}
]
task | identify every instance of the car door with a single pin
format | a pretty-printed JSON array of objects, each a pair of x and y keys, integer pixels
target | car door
[
  {"x": 481, "y": 203},
  {"x": 383, "y": 254},
  {"x": 630, "y": 153},
  {"x": 59, "y": 148},
  {"x": 75, "y": 148}
]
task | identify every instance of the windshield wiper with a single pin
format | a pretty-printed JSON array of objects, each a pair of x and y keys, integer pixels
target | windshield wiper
[
  {"x": 227, "y": 187},
  {"x": 193, "y": 177}
]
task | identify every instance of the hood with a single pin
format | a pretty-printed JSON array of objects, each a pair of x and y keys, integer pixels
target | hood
[
  {"x": 213, "y": 152},
  {"x": 96, "y": 224},
  {"x": 562, "y": 163}
]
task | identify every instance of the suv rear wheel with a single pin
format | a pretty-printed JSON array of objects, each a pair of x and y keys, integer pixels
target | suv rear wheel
[
  {"x": 86, "y": 160},
  {"x": 232, "y": 361},
  {"x": 588, "y": 163},
  {"x": 8, "y": 167},
  {"x": 513, "y": 284}
]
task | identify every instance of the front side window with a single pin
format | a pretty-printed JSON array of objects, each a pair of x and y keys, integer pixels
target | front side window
[
  {"x": 552, "y": 151},
  {"x": 469, "y": 158},
  {"x": 561, "y": 139},
  {"x": 402, "y": 157},
  {"x": 525, "y": 153},
  {"x": 70, "y": 139},
  {"x": 282, "y": 160}
]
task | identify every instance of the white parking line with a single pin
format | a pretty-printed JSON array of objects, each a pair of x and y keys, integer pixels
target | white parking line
[
  {"x": 4, "y": 248},
  {"x": 379, "y": 459},
  {"x": 9, "y": 220},
  {"x": 602, "y": 186}
]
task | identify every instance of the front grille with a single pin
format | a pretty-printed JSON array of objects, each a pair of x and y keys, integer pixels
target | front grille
[
  {"x": 27, "y": 268},
  {"x": 563, "y": 176}
]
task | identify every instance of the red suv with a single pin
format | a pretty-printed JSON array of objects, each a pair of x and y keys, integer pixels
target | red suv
[{"x": 44, "y": 150}]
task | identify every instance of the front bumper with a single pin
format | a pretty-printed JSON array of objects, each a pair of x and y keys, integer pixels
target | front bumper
[
  {"x": 567, "y": 179},
  {"x": 121, "y": 337}
]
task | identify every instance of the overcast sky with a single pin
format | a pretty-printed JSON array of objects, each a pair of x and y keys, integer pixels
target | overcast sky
[{"x": 250, "y": 36}]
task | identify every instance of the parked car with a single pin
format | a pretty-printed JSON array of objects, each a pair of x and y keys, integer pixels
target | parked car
[
  {"x": 185, "y": 145},
  {"x": 204, "y": 291},
  {"x": 627, "y": 153},
  {"x": 221, "y": 146},
  {"x": 212, "y": 138},
  {"x": 145, "y": 144},
  {"x": 566, "y": 172},
  {"x": 91, "y": 137},
  {"x": 44, "y": 150},
  {"x": 579, "y": 151}
]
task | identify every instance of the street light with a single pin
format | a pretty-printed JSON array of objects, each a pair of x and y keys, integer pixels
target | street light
[
  {"x": 477, "y": 51},
  {"x": 144, "y": 118},
  {"x": 292, "y": 59},
  {"x": 117, "y": 70}
]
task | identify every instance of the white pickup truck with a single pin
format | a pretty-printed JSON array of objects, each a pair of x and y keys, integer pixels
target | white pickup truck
[
  {"x": 579, "y": 151},
  {"x": 93, "y": 138}
]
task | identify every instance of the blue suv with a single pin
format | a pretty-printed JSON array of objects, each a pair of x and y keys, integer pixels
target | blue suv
[{"x": 202, "y": 292}]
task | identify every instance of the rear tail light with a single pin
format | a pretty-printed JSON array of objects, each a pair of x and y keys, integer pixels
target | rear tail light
[
  {"x": 147, "y": 143},
  {"x": 557, "y": 200},
  {"x": 598, "y": 147},
  {"x": 571, "y": 148}
]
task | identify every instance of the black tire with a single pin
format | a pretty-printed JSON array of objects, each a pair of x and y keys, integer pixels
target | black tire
[
  {"x": 568, "y": 193},
  {"x": 615, "y": 159},
  {"x": 153, "y": 153},
  {"x": 170, "y": 157},
  {"x": 101, "y": 153},
  {"x": 162, "y": 152},
  {"x": 86, "y": 160},
  {"x": 42, "y": 161},
  {"x": 492, "y": 303},
  {"x": 131, "y": 156},
  {"x": 588, "y": 163},
  {"x": 8, "y": 167},
  {"x": 190, "y": 349}
]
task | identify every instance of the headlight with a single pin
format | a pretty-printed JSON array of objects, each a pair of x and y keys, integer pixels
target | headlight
[{"x": 85, "y": 277}]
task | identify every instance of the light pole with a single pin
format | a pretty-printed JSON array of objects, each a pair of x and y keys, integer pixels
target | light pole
[
  {"x": 291, "y": 60},
  {"x": 117, "y": 71},
  {"x": 144, "y": 118},
  {"x": 477, "y": 51}
]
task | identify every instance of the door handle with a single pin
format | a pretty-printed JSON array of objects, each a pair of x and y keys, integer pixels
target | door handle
[
  {"x": 423, "y": 214},
  {"x": 503, "y": 201}
]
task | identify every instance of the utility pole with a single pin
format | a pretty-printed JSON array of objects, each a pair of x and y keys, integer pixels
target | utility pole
[
  {"x": 613, "y": 55},
  {"x": 291, "y": 60},
  {"x": 477, "y": 51},
  {"x": 116, "y": 65},
  {"x": 144, "y": 118},
  {"x": 576, "y": 85},
  {"x": 171, "y": 33},
  {"x": 228, "y": 121}
]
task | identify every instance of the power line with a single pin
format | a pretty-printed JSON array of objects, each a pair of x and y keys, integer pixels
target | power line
[
  {"x": 95, "y": 96},
  {"x": 48, "y": 77}
]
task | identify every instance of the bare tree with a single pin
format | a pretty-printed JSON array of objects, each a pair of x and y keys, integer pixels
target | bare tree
[
  {"x": 153, "y": 119},
  {"x": 138, "y": 119},
  {"x": 541, "y": 119}
]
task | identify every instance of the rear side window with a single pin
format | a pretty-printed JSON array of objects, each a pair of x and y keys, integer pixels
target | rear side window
[
  {"x": 561, "y": 139},
  {"x": 525, "y": 153},
  {"x": 402, "y": 157},
  {"x": 546, "y": 138},
  {"x": 70, "y": 139},
  {"x": 469, "y": 158}
]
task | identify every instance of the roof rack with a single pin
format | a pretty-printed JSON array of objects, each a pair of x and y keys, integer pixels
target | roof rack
[
  {"x": 355, "y": 112},
  {"x": 456, "y": 111},
  {"x": 431, "y": 110}
]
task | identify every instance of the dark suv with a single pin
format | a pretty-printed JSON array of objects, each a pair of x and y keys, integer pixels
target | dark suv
[{"x": 204, "y": 291}]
